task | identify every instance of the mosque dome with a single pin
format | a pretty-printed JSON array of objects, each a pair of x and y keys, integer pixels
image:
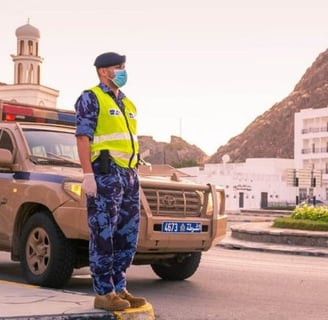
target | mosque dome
[{"x": 27, "y": 30}]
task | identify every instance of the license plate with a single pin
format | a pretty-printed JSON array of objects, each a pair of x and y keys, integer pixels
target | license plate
[{"x": 181, "y": 227}]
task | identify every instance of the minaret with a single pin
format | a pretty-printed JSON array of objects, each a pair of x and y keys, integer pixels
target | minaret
[
  {"x": 27, "y": 62},
  {"x": 27, "y": 87}
]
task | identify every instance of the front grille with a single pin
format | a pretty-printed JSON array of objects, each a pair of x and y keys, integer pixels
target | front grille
[{"x": 174, "y": 203}]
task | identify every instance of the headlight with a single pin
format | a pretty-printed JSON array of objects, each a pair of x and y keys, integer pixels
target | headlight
[
  {"x": 74, "y": 189},
  {"x": 210, "y": 205}
]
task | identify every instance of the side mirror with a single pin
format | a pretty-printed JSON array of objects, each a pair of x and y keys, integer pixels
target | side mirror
[{"x": 6, "y": 158}]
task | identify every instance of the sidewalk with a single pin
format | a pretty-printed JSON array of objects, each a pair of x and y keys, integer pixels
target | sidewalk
[{"x": 27, "y": 302}]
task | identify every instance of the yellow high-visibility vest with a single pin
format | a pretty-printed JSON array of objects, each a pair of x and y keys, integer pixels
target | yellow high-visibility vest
[{"x": 116, "y": 131}]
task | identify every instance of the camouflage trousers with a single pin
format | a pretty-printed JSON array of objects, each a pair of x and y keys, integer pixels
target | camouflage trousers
[{"x": 113, "y": 219}]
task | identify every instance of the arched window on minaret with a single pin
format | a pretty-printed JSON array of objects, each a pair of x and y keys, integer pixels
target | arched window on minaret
[
  {"x": 30, "y": 47},
  {"x": 30, "y": 74},
  {"x": 39, "y": 75},
  {"x": 21, "y": 47},
  {"x": 37, "y": 49},
  {"x": 19, "y": 73}
]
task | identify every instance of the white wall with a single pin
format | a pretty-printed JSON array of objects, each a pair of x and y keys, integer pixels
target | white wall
[{"x": 248, "y": 180}]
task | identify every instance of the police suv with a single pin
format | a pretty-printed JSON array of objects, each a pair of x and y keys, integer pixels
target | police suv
[{"x": 43, "y": 219}]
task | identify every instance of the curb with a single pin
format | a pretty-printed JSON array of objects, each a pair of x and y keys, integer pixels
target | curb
[
  {"x": 232, "y": 244},
  {"x": 145, "y": 312},
  {"x": 229, "y": 242},
  {"x": 265, "y": 232},
  {"x": 76, "y": 316}
]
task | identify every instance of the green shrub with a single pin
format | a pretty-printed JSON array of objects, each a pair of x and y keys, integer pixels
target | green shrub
[
  {"x": 298, "y": 224},
  {"x": 305, "y": 217}
]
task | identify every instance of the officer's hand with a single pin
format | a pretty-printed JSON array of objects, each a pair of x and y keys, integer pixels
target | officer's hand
[{"x": 89, "y": 184}]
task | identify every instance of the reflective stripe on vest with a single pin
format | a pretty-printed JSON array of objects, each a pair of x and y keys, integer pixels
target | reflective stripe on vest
[
  {"x": 113, "y": 137},
  {"x": 116, "y": 131}
]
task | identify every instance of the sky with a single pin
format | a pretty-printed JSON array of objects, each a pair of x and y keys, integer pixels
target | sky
[{"x": 200, "y": 70}]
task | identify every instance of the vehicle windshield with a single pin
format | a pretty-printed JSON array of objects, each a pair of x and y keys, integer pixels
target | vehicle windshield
[{"x": 52, "y": 147}]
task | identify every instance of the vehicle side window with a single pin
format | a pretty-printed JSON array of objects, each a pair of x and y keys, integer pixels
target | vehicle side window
[{"x": 5, "y": 141}]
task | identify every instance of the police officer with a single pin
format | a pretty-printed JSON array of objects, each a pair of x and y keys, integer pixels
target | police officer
[{"x": 106, "y": 134}]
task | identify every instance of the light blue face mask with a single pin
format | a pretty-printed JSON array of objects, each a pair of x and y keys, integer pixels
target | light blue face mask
[{"x": 120, "y": 78}]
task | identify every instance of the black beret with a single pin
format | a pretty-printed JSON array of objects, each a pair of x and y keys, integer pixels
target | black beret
[{"x": 109, "y": 59}]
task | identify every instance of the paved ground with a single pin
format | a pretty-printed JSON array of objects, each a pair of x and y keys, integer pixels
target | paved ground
[{"x": 30, "y": 302}]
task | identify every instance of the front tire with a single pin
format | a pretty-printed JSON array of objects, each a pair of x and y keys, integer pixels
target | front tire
[
  {"x": 47, "y": 257},
  {"x": 178, "y": 269}
]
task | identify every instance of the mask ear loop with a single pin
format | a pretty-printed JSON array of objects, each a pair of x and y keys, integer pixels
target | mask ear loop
[{"x": 109, "y": 78}]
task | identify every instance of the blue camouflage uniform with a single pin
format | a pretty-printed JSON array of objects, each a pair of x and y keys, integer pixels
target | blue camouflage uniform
[{"x": 113, "y": 215}]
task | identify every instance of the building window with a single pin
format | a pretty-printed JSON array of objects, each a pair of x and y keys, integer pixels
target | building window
[
  {"x": 30, "y": 74},
  {"x": 21, "y": 47},
  {"x": 20, "y": 73}
]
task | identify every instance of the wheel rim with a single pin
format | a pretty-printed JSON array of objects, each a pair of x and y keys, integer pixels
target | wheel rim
[{"x": 38, "y": 251}]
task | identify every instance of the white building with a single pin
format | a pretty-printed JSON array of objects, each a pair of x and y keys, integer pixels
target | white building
[
  {"x": 27, "y": 86},
  {"x": 264, "y": 182},
  {"x": 252, "y": 184},
  {"x": 311, "y": 152}
]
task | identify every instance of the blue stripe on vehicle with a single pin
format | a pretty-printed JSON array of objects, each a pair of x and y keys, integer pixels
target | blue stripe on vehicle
[
  {"x": 66, "y": 117},
  {"x": 33, "y": 176}
]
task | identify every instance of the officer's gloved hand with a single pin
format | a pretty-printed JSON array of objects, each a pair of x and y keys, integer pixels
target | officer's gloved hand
[{"x": 89, "y": 185}]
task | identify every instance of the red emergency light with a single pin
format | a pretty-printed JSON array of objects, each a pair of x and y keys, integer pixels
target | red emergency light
[{"x": 10, "y": 117}]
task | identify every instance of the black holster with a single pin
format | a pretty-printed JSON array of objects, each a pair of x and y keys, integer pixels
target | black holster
[{"x": 104, "y": 160}]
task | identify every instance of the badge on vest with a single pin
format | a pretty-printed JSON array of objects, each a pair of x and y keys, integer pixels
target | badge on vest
[
  {"x": 132, "y": 115},
  {"x": 114, "y": 112}
]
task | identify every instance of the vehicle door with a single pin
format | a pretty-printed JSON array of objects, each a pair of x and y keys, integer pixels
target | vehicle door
[{"x": 6, "y": 190}]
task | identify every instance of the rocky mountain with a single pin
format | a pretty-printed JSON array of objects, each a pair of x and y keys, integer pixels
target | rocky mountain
[
  {"x": 271, "y": 135},
  {"x": 177, "y": 153}
]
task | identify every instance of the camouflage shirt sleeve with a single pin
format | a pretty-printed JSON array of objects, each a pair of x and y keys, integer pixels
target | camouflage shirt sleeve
[{"x": 87, "y": 110}]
